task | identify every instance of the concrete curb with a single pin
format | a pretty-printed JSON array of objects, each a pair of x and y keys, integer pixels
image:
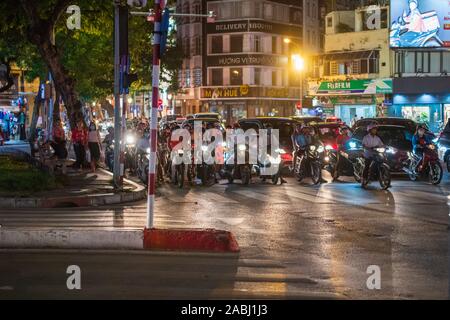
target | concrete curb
[
  {"x": 94, "y": 200},
  {"x": 71, "y": 239},
  {"x": 208, "y": 240}
]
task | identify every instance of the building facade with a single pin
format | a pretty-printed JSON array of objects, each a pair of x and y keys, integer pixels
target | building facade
[
  {"x": 422, "y": 86},
  {"x": 240, "y": 65},
  {"x": 352, "y": 78}
]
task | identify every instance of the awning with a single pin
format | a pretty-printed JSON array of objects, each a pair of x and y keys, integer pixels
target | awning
[{"x": 353, "y": 55}]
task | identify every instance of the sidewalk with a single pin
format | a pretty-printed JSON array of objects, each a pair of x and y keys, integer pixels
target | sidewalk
[{"x": 82, "y": 189}]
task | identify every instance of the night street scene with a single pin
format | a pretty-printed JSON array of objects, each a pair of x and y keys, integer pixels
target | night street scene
[{"x": 233, "y": 150}]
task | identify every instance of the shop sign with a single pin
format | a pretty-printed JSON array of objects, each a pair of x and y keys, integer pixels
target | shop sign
[
  {"x": 257, "y": 26},
  {"x": 363, "y": 86},
  {"x": 246, "y": 60},
  {"x": 245, "y": 91}
]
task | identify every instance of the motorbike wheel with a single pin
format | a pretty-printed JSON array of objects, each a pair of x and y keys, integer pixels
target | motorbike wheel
[
  {"x": 447, "y": 160},
  {"x": 358, "y": 171},
  {"x": 384, "y": 177},
  {"x": 245, "y": 175},
  {"x": 435, "y": 173},
  {"x": 316, "y": 172},
  {"x": 180, "y": 176},
  {"x": 298, "y": 171},
  {"x": 275, "y": 179}
]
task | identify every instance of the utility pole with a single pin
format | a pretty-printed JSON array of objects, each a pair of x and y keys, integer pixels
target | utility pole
[{"x": 117, "y": 132}]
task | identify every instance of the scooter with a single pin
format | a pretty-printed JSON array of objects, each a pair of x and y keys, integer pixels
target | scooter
[
  {"x": 379, "y": 170},
  {"x": 430, "y": 166},
  {"x": 232, "y": 170},
  {"x": 310, "y": 164},
  {"x": 262, "y": 170}
]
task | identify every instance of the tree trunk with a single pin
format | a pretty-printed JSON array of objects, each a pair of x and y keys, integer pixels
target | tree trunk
[
  {"x": 56, "y": 107},
  {"x": 41, "y": 33},
  {"x": 34, "y": 119}
]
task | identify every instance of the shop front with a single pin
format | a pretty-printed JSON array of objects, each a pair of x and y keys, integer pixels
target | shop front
[
  {"x": 424, "y": 100},
  {"x": 352, "y": 99},
  {"x": 237, "y": 102}
]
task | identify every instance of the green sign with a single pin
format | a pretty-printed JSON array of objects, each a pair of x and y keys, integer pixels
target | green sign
[{"x": 364, "y": 86}]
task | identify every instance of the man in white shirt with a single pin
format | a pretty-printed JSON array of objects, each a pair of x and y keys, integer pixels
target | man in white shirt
[{"x": 370, "y": 141}]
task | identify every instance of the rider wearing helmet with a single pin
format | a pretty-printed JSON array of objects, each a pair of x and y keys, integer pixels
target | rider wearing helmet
[
  {"x": 109, "y": 137},
  {"x": 370, "y": 141},
  {"x": 341, "y": 140},
  {"x": 419, "y": 141},
  {"x": 301, "y": 139}
]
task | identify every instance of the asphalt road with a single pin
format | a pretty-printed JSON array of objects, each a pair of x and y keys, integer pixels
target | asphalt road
[{"x": 297, "y": 241}]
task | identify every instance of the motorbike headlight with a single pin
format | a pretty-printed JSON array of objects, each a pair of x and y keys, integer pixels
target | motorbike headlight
[
  {"x": 391, "y": 150},
  {"x": 312, "y": 148},
  {"x": 380, "y": 150},
  {"x": 204, "y": 148},
  {"x": 280, "y": 151},
  {"x": 130, "y": 139},
  {"x": 431, "y": 146},
  {"x": 224, "y": 144},
  {"x": 328, "y": 147},
  {"x": 320, "y": 149},
  {"x": 242, "y": 147},
  {"x": 327, "y": 159},
  {"x": 180, "y": 152},
  {"x": 148, "y": 150},
  {"x": 352, "y": 145}
]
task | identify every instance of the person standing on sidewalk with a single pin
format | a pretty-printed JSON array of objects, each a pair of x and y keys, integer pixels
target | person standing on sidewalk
[
  {"x": 94, "y": 142},
  {"x": 79, "y": 139},
  {"x": 59, "y": 140},
  {"x": 21, "y": 122}
]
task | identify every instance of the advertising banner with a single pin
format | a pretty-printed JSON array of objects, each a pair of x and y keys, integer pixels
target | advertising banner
[
  {"x": 350, "y": 87},
  {"x": 420, "y": 24}
]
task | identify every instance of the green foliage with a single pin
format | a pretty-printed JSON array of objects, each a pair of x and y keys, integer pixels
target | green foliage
[
  {"x": 17, "y": 176},
  {"x": 88, "y": 54}
]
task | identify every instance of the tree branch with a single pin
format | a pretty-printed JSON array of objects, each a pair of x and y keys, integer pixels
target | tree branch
[{"x": 59, "y": 8}]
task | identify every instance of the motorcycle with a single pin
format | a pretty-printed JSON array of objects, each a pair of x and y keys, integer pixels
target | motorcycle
[
  {"x": 431, "y": 165},
  {"x": 232, "y": 170},
  {"x": 178, "y": 170},
  {"x": 273, "y": 174},
  {"x": 310, "y": 164},
  {"x": 206, "y": 172},
  {"x": 379, "y": 170},
  {"x": 109, "y": 156},
  {"x": 350, "y": 165},
  {"x": 130, "y": 153}
]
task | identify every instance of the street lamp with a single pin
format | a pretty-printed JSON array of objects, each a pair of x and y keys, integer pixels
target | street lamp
[{"x": 299, "y": 65}]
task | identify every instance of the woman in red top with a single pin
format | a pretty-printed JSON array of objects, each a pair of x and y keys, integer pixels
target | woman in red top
[{"x": 79, "y": 139}]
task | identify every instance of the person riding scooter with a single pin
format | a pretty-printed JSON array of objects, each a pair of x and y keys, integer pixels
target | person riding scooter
[
  {"x": 341, "y": 140},
  {"x": 419, "y": 141},
  {"x": 301, "y": 139},
  {"x": 370, "y": 142}
]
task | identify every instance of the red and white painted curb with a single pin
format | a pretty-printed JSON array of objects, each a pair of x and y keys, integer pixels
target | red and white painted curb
[{"x": 203, "y": 240}]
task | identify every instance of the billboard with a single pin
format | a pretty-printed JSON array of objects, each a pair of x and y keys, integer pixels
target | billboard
[{"x": 420, "y": 24}]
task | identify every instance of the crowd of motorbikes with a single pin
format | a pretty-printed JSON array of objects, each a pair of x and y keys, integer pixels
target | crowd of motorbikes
[{"x": 317, "y": 157}]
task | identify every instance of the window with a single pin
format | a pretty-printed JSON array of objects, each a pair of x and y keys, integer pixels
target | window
[
  {"x": 274, "y": 78},
  {"x": 329, "y": 22},
  {"x": 216, "y": 44},
  {"x": 446, "y": 62},
  {"x": 268, "y": 11},
  {"x": 236, "y": 43},
  {"x": 308, "y": 9},
  {"x": 216, "y": 77},
  {"x": 188, "y": 78},
  {"x": 197, "y": 47},
  {"x": 373, "y": 65},
  {"x": 257, "y": 76},
  {"x": 197, "y": 77},
  {"x": 409, "y": 62},
  {"x": 435, "y": 62},
  {"x": 257, "y": 44},
  {"x": 235, "y": 76},
  {"x": 274, "y": 45}
]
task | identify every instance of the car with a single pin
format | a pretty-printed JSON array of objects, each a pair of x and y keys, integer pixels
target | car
[
  {"x": 443, "y": 144},
  {"x": 307, "y": 119},
  {"x": 216, "y": 123},
  {"x": 208, "y": 115},
  {"x": 285, "y": 127},
  {"x": 398, "y": 138},
  {"x": 328, "y": 132},
  {"x": 408, "y": 123}
]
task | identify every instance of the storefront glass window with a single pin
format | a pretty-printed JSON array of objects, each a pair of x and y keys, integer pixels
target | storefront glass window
[{"x": 419, "y": 114}]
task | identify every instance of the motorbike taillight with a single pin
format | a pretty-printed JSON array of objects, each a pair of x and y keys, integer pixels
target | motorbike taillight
[{"x": 287, "y": 157}]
